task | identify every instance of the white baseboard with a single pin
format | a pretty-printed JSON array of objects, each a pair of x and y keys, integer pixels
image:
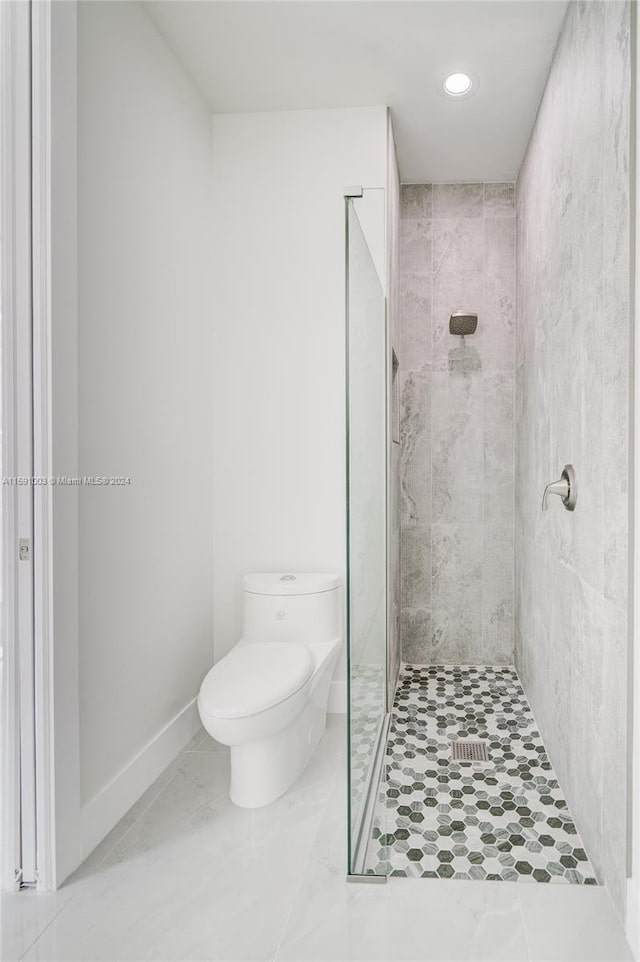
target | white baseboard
[
  {"x": 633, "y": 917},
  {"x": 337, "y": 704},
  {"x": 107, "y": 807}
]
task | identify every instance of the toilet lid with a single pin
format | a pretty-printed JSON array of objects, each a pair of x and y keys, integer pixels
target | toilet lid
[{"x": 254, "y": 677}]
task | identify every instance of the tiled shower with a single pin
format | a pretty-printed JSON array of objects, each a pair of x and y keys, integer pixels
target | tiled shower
[
  {"x": 457, "y": 427},
  {"x": 508, "y": 598}
]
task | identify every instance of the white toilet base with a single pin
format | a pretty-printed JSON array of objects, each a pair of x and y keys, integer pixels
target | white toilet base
[
  {"x": 262, "y": 770},
  {"x": 271, "y": 748}
]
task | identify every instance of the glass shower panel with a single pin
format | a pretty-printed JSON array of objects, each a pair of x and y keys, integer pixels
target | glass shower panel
[{"x": 367, "y": 514}]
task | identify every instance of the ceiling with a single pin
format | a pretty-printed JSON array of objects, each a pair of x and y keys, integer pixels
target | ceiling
[{"x": 261, "y": 56}]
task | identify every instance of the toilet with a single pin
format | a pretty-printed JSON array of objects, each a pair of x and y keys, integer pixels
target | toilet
[{"x": 267, "y": 699}]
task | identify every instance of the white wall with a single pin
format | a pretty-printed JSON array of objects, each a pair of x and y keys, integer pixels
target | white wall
[
  {"x": 279, "y": 352},
  {"x": 145, "y": 321}
]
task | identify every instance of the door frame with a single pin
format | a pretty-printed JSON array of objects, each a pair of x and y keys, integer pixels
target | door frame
[
  {"x": 55, "y": 291},
  {"x": 27, "y": 690},
  {"x": 18, "y": 795},
  {"x": 633, "y": 880},
  {"x": 42, "y": 440},
  {"x": 50, "y": 285}
]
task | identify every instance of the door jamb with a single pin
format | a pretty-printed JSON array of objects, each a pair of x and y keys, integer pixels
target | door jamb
[{"x": 42, "y": 442}]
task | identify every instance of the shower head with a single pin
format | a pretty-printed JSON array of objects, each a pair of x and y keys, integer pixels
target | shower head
[{"x": 461, "y": 323}]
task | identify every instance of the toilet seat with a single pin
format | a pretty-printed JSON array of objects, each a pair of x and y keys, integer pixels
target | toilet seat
[{"x": 254, "y": 677}]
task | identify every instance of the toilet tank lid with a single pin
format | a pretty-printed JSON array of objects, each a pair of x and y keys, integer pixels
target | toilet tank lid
[{"x": 289, "y": 582}]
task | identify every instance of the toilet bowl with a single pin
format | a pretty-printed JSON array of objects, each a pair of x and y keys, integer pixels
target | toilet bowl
[{"x": 267, "y": 699}]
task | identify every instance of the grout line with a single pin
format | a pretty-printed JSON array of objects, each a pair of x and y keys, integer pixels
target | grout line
[{"x": 47, "y": 926}]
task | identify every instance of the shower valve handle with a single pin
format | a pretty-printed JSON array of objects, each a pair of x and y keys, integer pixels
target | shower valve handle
[{"x": 566, "y": 488}]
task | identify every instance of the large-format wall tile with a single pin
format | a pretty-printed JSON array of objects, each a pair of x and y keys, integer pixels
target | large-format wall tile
[
  {"x": 576, "y": 438},
  {"x": 534, "y": 467},
  {"x": 615, "y": 439},
  {"x": 415, "y": 293},
  {"x": 456, "y": 592},
  {"x": 416, "y": 633},
  {"x": 458, "y": 421},
  {"x": 572, "y": 392},
  {"x": 458, "y": 495},
  {"x": 415, "y": 202},
  {"x": 456, "y": 564},
  {"x": 533, "y": 589},
  {"x": 556, "y": 675},
  {"x": 415, "y": 253},
  {"x": 458, "y": 200},
  {"x": 415, "y": 434},
  {"x": 415, "y": 541},
  {"x": 499, "y": 497},
  {"x": 458, "y": 272},
  {"x": 499, "y": 431},
  {"x": 499, "y": 201},
  {"x": 458, "y": 247},
  {"x": 615, "y": 306},
  {"x": 614, "y": 774},
  {"x": 498, "y": 317},
  {"x": 497, "y": 594},
  {"x": 456, "y": 635}
]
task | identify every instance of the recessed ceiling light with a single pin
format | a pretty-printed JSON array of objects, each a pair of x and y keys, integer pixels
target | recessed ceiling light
[{"x": 458, "y": 84}]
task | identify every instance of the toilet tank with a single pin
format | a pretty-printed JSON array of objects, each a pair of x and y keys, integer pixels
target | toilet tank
[{"x": 292, "y": 607}]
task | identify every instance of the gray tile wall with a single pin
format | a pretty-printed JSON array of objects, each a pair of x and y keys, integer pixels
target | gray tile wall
[
  {"x": 457, "y": 252},
  {"x": 572, "y": 406}
]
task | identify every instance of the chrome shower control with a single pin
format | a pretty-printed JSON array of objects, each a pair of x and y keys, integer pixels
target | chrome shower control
[{"x": 566, "y": 488}]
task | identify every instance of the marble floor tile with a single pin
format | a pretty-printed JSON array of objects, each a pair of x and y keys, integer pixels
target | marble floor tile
[
  {"x": 459, "y": 920},
  {"x": 203, "y": 742},
  {"x": 23, "y": 918},
  {"x": 572, "y": 924},
  {"x": 196, "y": 877},
  {"x": 192, "y": 877},
  {"x": 404, "y": 919}
]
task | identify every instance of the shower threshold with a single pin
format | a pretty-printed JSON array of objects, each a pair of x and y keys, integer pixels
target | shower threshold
[{"x": 503, "y": 819}]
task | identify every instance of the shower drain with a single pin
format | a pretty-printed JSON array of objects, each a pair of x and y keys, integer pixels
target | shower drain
[{"x": 469, "y": 750}]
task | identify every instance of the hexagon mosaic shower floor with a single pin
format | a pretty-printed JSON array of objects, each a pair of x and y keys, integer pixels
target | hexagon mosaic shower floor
[{"x": 505, "y": 820}]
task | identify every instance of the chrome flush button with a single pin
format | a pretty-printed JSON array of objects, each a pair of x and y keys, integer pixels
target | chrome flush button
[{"x": 288, "y": 578}]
